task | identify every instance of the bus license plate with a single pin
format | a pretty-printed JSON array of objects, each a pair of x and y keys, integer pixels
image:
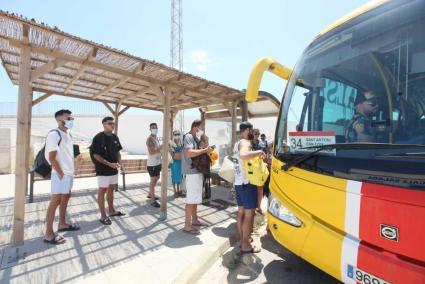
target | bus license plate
[{"x": 362, "y": 276}]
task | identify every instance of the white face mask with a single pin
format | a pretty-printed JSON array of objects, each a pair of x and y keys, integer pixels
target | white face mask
[
  {"x": 199, "y": 133},
  {"x": 154, "y": 131}
]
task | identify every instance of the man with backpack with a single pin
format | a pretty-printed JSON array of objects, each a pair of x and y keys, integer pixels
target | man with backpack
[
  {"x": 105, "y": 153},
  {"x": 194, "y": 179},
  {"x": 59, "y": 152}
]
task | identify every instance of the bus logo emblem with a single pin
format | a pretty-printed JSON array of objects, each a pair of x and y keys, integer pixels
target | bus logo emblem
[{"x": 389, "y": 232}]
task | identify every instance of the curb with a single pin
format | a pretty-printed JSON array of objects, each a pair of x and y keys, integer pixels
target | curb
[{"x": 202, "y": 264}]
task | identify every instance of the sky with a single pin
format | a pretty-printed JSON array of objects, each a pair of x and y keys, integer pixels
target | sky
[{"x": 222, "y": 39}]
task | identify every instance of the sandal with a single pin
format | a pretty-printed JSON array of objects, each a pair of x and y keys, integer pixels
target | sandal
[
  {"x": 72, "y": 227},
  {"x": 116, "y": 214},
  {"x": 155, "y": 204},
  {"x": 149, "y": 197},
  {"x": 105, "y": 221},
  {"x": 57, "y": 240},
  {"x": 252, "y": 250},
  {"x": 191, "y": 232}
]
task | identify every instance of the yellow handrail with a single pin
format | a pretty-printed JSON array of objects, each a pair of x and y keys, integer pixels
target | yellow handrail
[{"x": 262, "y": 65}]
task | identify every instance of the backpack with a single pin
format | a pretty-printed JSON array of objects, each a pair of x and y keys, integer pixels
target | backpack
[
  {"x": 201, "y": 163},
  {"x": 41, "y": 166}
]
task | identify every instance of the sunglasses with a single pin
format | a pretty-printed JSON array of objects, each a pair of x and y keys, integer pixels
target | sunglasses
[
  {"x": 111, "y": 123},
  {"x": 372, "y": 104},
  {"x": 69, "y": 118}
]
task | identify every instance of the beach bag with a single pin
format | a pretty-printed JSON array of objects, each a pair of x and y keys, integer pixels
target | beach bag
[
  {"x": 227, "y": 170},
  {"x": 40, "y": 165},
  {"x": 256, "y": 171}
]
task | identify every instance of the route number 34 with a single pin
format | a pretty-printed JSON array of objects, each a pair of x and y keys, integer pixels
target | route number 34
[{"x": 296, "y": 143}]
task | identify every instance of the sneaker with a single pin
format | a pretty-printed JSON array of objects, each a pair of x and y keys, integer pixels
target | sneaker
[{"x": 155, "y": 204}]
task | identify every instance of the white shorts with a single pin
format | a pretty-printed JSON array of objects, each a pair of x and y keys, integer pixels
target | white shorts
[
  {"x": 105, "y": 181},
  {"x": 194, "y": 184},
  {"x": 61, "y": 186}
]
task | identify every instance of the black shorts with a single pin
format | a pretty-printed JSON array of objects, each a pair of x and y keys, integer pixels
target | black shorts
[{"x": 154, "y": 171}]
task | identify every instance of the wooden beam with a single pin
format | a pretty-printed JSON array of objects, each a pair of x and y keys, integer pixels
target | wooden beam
[
  {"x": 234, "y": 123},
  {"x": 137, "y": 93},
  {"x": 95, "y": 100},
  {"x": 80, "y": 71},
  {"x": 123, "y": 110},
  {"x": 165, "y": 149},
  {"x": 97, "y": 65},
  {"x": 244, "y": 108},
  {"x": 109, "y": 108},
  {"x": 46, "y": 68},
  {"x": 40, "y": 99},
  {"x": 111, "y": 87},
  {"x": 22, "y": 143}
]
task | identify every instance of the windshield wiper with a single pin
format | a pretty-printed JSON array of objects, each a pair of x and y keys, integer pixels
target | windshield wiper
[
  {"x": 404, "y": 155},
  {"x": 346, "y": 146}
]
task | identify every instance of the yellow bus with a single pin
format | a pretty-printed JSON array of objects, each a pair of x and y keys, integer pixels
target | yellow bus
[{"x": 348, "y": 171}]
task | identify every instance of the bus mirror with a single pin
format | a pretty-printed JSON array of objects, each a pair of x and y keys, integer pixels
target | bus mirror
[{"x": 262, "y": 65}]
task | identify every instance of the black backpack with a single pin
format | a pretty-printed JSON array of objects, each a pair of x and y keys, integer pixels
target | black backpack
[{"x": 41, "y": 166}]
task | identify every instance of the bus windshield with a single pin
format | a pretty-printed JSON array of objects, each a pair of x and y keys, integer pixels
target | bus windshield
[{"x": 363, "y": 82}]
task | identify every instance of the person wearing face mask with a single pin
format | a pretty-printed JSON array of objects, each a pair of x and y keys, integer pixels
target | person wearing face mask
[
  {"x": 176, "y": 166},
  {"x": 194, "y": 179},
  {"x": 59, "y": 152},
  {"x": 154, "y": 162},
  {"x": 105, "y": 151},
  {"x": 246, "y": 193}
]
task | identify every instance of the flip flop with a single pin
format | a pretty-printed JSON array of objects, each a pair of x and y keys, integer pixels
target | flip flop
[
  {"x": 105, "y": 221},
  {"x": 57, "y": 240},
  {"x": 252, "y": 250},
  {"x": 200, "y": 224},
  {"x": 71, "y": 227},
  {"x": 191, "y": 232},
  {"x": 117, "y": 214}
]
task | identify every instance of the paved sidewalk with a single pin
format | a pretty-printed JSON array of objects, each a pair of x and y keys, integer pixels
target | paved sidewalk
[{"x": 136, "y": 248}]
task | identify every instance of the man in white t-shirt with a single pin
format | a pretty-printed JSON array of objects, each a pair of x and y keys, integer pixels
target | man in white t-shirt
[
  {"x": 59, "y": 152},
  {"x": 154, "y": 162}
]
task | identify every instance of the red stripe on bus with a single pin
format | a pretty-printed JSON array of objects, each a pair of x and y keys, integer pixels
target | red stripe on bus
[{"x": 312, "y": 133}]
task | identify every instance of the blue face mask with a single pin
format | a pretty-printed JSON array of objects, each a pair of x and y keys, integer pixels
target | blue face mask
[{"x": 69, "y": 124}]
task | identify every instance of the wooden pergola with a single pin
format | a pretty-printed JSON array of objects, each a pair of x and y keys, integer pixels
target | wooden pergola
[{"x": 46, "y": 60}]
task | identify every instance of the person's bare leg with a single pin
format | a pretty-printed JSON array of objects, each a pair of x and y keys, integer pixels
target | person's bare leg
[
  {"x": 260, "y": 198},
  {"x": 62, "y": 211},
  {"x": 247, "y": 229},
  {"x": 110, "y": 198},
  {"x": 188, "y": 217},
  {"x": 175, "y": 188},
  {"x": 152, "y": 185},
  {"x": 239, "y": 220},
  {"x": 101, "y": 202},
  {"x": 195, "y": 214},
  {"x": 55, "y": 200}
]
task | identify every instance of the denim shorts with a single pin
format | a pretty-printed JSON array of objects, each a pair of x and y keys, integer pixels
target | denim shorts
[{"x": 247, "y": 196}]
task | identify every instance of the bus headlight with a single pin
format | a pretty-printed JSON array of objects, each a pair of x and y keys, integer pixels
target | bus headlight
[{"x": 282, "y": 213}]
